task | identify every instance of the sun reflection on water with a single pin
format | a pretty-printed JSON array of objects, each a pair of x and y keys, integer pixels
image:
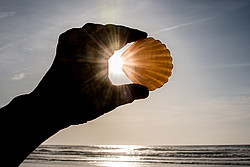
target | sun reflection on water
[
  {"x": 119, "y": 164},
  {"x": 121, "y": 160}
]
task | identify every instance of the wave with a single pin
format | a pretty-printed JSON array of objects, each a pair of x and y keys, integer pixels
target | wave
[{"x": 202, "y": 155}]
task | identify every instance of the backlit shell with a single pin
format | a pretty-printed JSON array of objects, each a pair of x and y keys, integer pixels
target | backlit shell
[{"x": 147, "y": 62}]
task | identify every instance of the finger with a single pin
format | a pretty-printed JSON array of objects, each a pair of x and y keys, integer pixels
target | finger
[
  {"x": 130, "y": 92},
  {"x": 119, "y": 36},
  {"x": 74, "y": 33},
  {"x": 92, "y": 27}
]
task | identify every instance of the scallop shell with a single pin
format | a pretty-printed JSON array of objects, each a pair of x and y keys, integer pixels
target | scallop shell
[{"x": 147, "y": 62}]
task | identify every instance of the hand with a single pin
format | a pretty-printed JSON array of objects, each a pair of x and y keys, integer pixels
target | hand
[{"x": 77, "y": 88}]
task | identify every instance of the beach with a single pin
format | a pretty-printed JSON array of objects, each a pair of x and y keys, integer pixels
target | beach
[{"x": 120, "y": 165}]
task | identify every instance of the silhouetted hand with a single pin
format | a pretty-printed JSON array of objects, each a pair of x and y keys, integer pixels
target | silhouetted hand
[{"x": 76, "y": 88}]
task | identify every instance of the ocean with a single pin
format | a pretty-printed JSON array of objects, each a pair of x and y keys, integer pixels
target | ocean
[{"x": 139, "y": 156}]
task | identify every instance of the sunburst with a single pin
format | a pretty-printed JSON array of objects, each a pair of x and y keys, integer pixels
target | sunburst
[{"x": 116, "y": 63}]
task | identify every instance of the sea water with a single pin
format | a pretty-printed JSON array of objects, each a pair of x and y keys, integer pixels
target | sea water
[{"x": 139, "y": 156}]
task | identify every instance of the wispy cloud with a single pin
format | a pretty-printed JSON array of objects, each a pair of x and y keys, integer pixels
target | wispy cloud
[
  {"x": 12, "y": 44},
  {"x": 183, "y": 25},
  {"x": 227, "y": 66},
  {"x": 8, "y": 45},
  {"x": 4, "y": 15},
  {"x": 18, "y": 76}
]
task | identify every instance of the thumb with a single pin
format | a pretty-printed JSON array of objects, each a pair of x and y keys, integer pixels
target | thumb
[{"x": 130, "y": 92}]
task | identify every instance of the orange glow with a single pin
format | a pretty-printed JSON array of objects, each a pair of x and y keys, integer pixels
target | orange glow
[{"x": 148, "y": 62}]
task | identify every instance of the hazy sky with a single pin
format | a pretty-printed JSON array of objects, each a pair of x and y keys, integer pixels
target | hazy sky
[{"x": 206, "y": 101}]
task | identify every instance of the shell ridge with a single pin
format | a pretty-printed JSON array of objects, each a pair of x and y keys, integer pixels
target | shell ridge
[{"x": 148, "y": 62}]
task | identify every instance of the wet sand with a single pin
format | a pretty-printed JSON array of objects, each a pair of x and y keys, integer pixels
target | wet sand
[{"x": 114, "y": 164}]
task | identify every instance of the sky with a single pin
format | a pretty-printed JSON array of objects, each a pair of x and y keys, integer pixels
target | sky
[{"x": 207, "y": 99}]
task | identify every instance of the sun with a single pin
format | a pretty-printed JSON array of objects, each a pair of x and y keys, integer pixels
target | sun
[{"x": 116, "y": 63}]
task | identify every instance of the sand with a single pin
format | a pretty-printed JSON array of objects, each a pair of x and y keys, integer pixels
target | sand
[{"x": 110, "y": 164}]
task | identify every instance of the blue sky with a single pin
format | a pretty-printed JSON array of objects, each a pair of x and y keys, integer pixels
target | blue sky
[{"x": 206, "y": 101}]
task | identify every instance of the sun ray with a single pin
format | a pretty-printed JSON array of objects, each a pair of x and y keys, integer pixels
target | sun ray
[
  {"x": 148, "y": 62},
  {"x": 116, "y": 63}
]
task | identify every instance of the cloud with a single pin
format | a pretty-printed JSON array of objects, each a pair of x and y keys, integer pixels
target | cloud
[
  {"x": 9, "y": 45},
  {"x": 227, "y": 66},
  {"x": 184, "y": 25},
  {"x": 4, "y": 15},
  {"x": 18, "y": 76}
]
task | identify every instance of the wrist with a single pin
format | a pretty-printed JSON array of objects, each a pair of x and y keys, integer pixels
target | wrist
[
  {"x": 23, "y": 128},
  {"x": 30, "y": 111}
]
